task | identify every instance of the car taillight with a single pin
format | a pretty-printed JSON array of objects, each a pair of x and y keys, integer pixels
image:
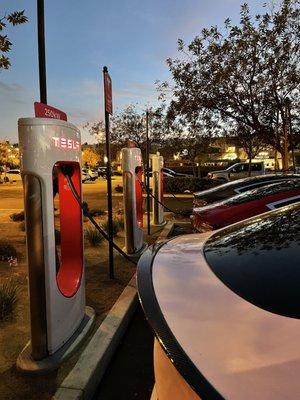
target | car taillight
[
  {"x": 199, "y": 202},
  {"x": 199, "y": 225}
]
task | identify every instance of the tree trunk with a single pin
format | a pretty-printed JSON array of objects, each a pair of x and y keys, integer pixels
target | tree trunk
[
  {"x": 285, "y": 162},
  {"x": 249, "y": 170}
]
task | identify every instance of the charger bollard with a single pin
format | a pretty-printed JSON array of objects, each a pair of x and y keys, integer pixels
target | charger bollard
[
  {"x": 133, "y": 201},
  {"x": 157, "y": 190},
  {"x": 50, "y": 149}
]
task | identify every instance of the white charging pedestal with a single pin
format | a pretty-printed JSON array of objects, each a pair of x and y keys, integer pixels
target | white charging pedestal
[
  {"x": 58, "y": 315},
  {"x": 133, "y": 201}
]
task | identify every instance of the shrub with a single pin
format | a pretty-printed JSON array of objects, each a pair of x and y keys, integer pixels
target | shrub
[
  {"x": 85, "y": 209},
  {"x": 180, "y": 184},
  {"x": 93, "y": 236},
  {"x": 7, "y": 251},
  {"x": 119, "y": 189},
  {"x": 17, "y": 217},
  {"x": 8, "y": 298},
  {"x": 116, "y": 226},
  {"x": 120, "y": 223},
  {"x": 97, "y": 212}
]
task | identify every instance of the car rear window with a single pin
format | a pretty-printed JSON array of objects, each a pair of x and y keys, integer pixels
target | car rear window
[
  {"x": 257, "y": 185},
  {"x": 264, "y": 191},
  {"x": 260, "y": 260}
]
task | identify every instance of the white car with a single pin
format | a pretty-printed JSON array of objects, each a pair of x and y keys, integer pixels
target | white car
[
  {"x": 13, "y": 175},
  {"x": 238, "y": 171},
  {"x": 90, "y": 174}
]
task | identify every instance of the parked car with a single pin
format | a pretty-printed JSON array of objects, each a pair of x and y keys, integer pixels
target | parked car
[
  {"x": 91, "y": 173},
  {"x": 167, "y": 172},
  {"x": 225, "y": 309},
  {"x": 170, "y": 172},
  {"x": 13, "y": 175},
  {"x": 102, "y": 172},
  {"x": 238, "y": 171},
  {"x": 230, "y": 189},
  {"x": 246, "y": 205},
  {"x": 85, "y": 177}
]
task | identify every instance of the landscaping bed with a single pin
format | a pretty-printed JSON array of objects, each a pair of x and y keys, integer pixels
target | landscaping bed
[
  {"x": 180, "y": 184},
  {"x": 101, "y": 293}
]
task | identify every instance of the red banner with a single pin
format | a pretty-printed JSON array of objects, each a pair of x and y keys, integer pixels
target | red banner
[
  {"x": 108, "y": 93},
  {"x": 44, "y": 111}
]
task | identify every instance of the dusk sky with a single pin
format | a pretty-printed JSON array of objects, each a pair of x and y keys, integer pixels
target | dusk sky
[{"x": 132, "y": 37}]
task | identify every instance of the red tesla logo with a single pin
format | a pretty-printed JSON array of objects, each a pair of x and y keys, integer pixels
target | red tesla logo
[{"x": 64, "y": 143}]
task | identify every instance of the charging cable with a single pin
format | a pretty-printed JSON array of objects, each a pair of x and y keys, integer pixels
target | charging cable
[
  {"x": 159, "y": 202},
  {"x": 86, "y": 212}
]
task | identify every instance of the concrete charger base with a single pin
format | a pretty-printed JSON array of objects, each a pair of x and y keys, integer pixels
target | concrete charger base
[
  {"x": 137, "y": 255},
  {"x": 158, "y": 225},
  {"x": 27, "y": 365}
]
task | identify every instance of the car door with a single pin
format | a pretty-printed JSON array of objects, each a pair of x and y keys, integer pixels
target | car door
[
  {"x": 256, "y": 169},
  {"x": 238, "y": 172}
]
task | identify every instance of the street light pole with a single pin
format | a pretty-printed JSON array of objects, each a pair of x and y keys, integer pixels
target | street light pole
[
  {"x": 147, "y": 172},
  {"x": 41, "y": 50}
]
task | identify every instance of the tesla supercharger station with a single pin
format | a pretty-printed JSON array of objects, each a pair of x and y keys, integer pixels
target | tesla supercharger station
[
  {"x": 133, "y": 200},
  {"x": 157, "y": 190},
  {"x": 59, "y": 318}
]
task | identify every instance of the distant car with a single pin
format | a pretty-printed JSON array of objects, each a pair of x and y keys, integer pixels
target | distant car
[
  {"x": 85, "y": 177},
  {"x": 91, "y": 173},
  {"x": 103, "y": 170},
  {"x": 230, "y": 189},
  {"x": 238, "y": 171},
  {"x": 167, "y": 172},
  {"x": 246, "y": 205},
  {"x": 170, "y": 172},
  {"x": 13, "y": 175}
]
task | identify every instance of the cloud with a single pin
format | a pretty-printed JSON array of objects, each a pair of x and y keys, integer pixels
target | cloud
[
  {"x": 12, "y": 92},
  {"x": 90, "y": 87},
  {"x": 11, "y": 88},
  {"x": 137, "y": 90}
]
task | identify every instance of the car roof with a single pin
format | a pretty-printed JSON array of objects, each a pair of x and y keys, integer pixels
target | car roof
[
  {"x": 255, "y": 194},
  {"x": 244, "y": 181}
]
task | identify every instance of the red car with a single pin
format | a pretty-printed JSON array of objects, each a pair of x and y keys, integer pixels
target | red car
[{"x": 246, "y": 205}]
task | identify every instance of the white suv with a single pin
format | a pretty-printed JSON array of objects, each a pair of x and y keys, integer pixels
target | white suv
[{"x": 238, "y": 171}]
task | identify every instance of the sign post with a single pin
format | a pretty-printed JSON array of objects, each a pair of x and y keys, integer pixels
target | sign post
[
  {"x": 41, "y": 50},
  {"x": 108, "y": 111}
]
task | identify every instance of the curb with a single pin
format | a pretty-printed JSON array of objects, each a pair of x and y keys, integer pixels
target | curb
[
  {"x": 167, "y": 231},
  {"x": 84, "y": 378}
]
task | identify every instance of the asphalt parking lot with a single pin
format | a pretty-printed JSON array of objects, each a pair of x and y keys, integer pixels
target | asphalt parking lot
[{"x": 130, "y": 374}]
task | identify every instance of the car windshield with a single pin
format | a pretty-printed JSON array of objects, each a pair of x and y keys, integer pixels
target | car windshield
[{"x": 259, "y": 260}]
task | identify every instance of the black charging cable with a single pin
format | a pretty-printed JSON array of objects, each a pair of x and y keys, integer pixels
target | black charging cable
[
  {"x": 67, "y": 173},
  {"x": 159, "y": 202},
  {"x": 178, "y": 198}
]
